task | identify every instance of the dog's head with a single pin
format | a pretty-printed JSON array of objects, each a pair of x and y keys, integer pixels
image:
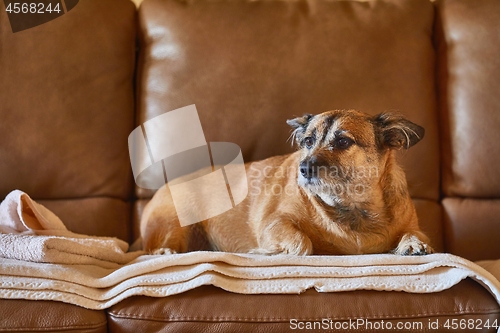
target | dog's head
[{"x": 343, "y": 152}]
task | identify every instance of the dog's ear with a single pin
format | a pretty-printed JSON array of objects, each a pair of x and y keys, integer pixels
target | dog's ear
[
  {"x": 299, "y": 126},
  {"x": 396, "y": 132}
]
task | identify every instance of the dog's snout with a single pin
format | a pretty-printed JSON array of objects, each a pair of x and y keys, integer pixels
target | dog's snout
[
  {"x": 306, "y": 170},
  {"x": 309, "y": 168}
]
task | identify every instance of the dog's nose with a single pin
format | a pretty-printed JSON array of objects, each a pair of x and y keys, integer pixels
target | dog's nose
[{"x": 308, "y": 169}]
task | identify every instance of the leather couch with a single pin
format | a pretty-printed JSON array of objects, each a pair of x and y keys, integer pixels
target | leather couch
[{"x": 72, "y": 89}]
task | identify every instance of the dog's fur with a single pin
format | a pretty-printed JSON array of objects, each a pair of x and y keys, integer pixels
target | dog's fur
[{"x": 342, "y": 192}]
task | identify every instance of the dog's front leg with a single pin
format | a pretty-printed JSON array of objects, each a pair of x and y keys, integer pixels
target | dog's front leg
[
  {"x": 282, "y": 236},
  {"x": 162, "y": 234}
]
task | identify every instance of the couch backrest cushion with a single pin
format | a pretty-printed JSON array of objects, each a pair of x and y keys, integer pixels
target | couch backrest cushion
[
  {"x": 468, "y": 42},
  {"x": 250, "y": 65},
  {"x": 66, "y": 109}
]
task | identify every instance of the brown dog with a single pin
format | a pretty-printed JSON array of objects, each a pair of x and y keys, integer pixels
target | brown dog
[{"x": 342, "y": 192}]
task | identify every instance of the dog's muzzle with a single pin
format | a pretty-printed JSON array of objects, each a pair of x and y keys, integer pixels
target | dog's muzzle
[{"x": 309, "y": 168}]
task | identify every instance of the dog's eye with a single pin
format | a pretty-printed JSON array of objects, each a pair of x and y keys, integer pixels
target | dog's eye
[
  {"x": 309, "y": 141},
  {"x": 344, "y": 143}
]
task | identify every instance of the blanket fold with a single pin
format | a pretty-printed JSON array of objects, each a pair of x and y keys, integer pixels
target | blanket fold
[
  {"x": 31, "y": 232},
  {"x": 40, "y": 259}
]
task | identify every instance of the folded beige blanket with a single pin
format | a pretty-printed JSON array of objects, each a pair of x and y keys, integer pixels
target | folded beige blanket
[
  {"x": 30, "y": 232},
  {"x": 94, "y": 286},
  {"x": 158, "y": 276}
]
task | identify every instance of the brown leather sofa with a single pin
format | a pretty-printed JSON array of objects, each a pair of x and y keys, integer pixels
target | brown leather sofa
[{"x": 72, "y": 89}]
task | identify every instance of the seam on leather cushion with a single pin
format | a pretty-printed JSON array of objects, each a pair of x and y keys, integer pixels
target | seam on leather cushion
[
  {"x": 277, "y": 319},
  {"x": 50, "y": 328}
]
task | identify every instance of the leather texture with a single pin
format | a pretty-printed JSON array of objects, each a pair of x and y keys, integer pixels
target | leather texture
[
  {"x": 94, "y": 216},
  {"x": 430, "y": 216},
  {"x": 66, "y": 93},
  {"x": 47, "y": 316},
  {"x": 251, "y": 65},
  {"x": 472, "y": 228},
  {"x": 209, "y": 309},
  {"x": 469, "y": 67}
]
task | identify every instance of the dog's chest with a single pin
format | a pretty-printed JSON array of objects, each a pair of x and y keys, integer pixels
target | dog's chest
[{"x": 348, "y": 233}]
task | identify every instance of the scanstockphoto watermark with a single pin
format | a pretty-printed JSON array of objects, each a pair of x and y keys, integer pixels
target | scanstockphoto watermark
[
  {"x": 431, "y": 324},
  {"x": 337, "y": 180},
  {"x": 357, "y": 324}
]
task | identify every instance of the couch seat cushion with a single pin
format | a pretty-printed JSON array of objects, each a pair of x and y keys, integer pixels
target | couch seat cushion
[
  {"x": 210, "y": 309},
  {"x": 48, "y": 316}
]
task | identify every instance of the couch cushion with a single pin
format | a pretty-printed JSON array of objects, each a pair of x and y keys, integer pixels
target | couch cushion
[
  {"x": 209, "y": 309},
  {"x": 250, "y": 65},
  {"x": 472, "y": 228},
  {"x": 469, "y": 68},
  {"x": 94, "y": 216},
  {"x": 48, "y": 316},
  {"x": 66, "y": 103}
]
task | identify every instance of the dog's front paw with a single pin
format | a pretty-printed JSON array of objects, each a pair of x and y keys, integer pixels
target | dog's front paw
[
  {"x": 299, "y": 245},
  {"x": 163, "y": 251},
  {"x": 410, "y": 245},
  {"x": 302, "y": 246}
]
